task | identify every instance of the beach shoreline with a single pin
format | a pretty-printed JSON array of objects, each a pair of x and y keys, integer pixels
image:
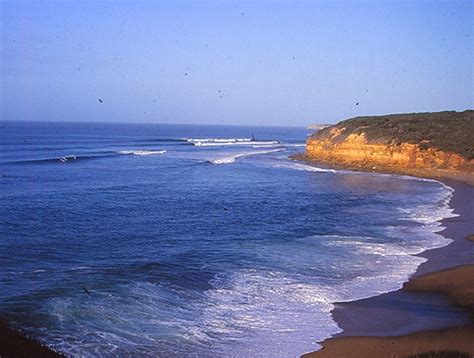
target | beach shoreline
[
  {"x": 442, "y": 175},
  {"x": 406, "y": 322}
]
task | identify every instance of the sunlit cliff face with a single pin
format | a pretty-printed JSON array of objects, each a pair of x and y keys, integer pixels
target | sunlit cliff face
[{"x": 355, "y": 149}]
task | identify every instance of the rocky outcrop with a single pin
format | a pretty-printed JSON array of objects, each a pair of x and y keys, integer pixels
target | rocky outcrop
[{"x": 413, "y": 144}]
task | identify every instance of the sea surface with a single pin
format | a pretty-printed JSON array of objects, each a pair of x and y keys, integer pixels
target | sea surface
[{"x": 195, "y": 241}]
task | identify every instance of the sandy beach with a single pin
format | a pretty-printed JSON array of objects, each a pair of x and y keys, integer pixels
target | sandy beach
[{"x": 432, "y": 316}]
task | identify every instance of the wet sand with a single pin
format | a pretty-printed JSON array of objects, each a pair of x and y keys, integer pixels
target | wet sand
[
  {"x": 452, "y": 343},
  {"x": 458, "y": 284},
  {"x": 432, "y": 313}
]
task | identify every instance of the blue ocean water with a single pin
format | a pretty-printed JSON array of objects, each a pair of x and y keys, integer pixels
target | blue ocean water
[{"x": 195, "y": 240}]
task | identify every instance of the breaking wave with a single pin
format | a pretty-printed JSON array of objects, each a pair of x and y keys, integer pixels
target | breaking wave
[
  {"x": 218, "y": 140},
  {"x": 304, "y": 167},
  {"x": 67, "y": 158},
  {"x": 142, "y": 152},
  {"x": 231, "y": 158},
  {"x": 213, "y": 142}
]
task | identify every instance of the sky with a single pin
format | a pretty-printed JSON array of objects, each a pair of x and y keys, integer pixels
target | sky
[{"x": 224, "y": 62}]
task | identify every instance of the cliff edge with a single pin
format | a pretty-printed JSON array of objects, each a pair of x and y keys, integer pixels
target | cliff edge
[{"x": 434, "y": 145}]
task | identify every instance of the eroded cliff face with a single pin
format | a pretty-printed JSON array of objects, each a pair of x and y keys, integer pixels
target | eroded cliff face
[{"x": 356, "y": 150}]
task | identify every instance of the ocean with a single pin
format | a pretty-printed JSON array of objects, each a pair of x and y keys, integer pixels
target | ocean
[{"x": 196, "y": 241}]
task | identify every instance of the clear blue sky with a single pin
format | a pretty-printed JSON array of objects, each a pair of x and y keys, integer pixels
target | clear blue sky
[{"x": 263, "y": 63}]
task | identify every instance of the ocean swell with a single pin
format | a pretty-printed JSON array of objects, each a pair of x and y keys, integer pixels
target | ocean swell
[{"x": 63, "y": 159}]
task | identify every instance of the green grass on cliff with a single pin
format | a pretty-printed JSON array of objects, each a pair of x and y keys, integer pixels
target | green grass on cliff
[{"x": 447, "y": 131}]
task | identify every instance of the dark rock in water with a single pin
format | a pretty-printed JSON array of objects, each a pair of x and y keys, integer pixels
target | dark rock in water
[{"x": 15, "y": 344}]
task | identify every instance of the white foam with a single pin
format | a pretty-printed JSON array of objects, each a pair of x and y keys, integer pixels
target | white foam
[
  {"x": 231, "y": 158},
  {"x": 142, "y": 152},
  {"x": 227, "y": 143},
  {"x": 67, "y": 158},
  {"x": 369, "y": 245},
  {"x": 218, "y": 140},
  {"x": 278, "y": 315},
  {"x": 424, "y": 213},
  {"x": 299, "y": 166}
]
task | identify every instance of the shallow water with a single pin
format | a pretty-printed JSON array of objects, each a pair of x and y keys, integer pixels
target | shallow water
[{"x": 195, "y": 240}]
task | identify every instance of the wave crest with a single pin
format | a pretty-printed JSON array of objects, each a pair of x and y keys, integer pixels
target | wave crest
[
  {"x": 231, "y": 158},
  {"x": 142, "y": 152},
  {"x": 304, "y": 167},
  {"x": 209, "y": 142}
]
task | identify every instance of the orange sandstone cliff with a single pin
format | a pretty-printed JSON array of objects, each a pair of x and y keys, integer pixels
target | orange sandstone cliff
[{"x": 437, "y": 145}]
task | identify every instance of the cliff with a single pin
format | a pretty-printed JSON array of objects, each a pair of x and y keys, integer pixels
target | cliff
[{"x": 422, "y": 144}]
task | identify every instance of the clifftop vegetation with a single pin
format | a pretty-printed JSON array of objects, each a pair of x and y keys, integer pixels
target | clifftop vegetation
[{"x": 447, "y": 131}]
